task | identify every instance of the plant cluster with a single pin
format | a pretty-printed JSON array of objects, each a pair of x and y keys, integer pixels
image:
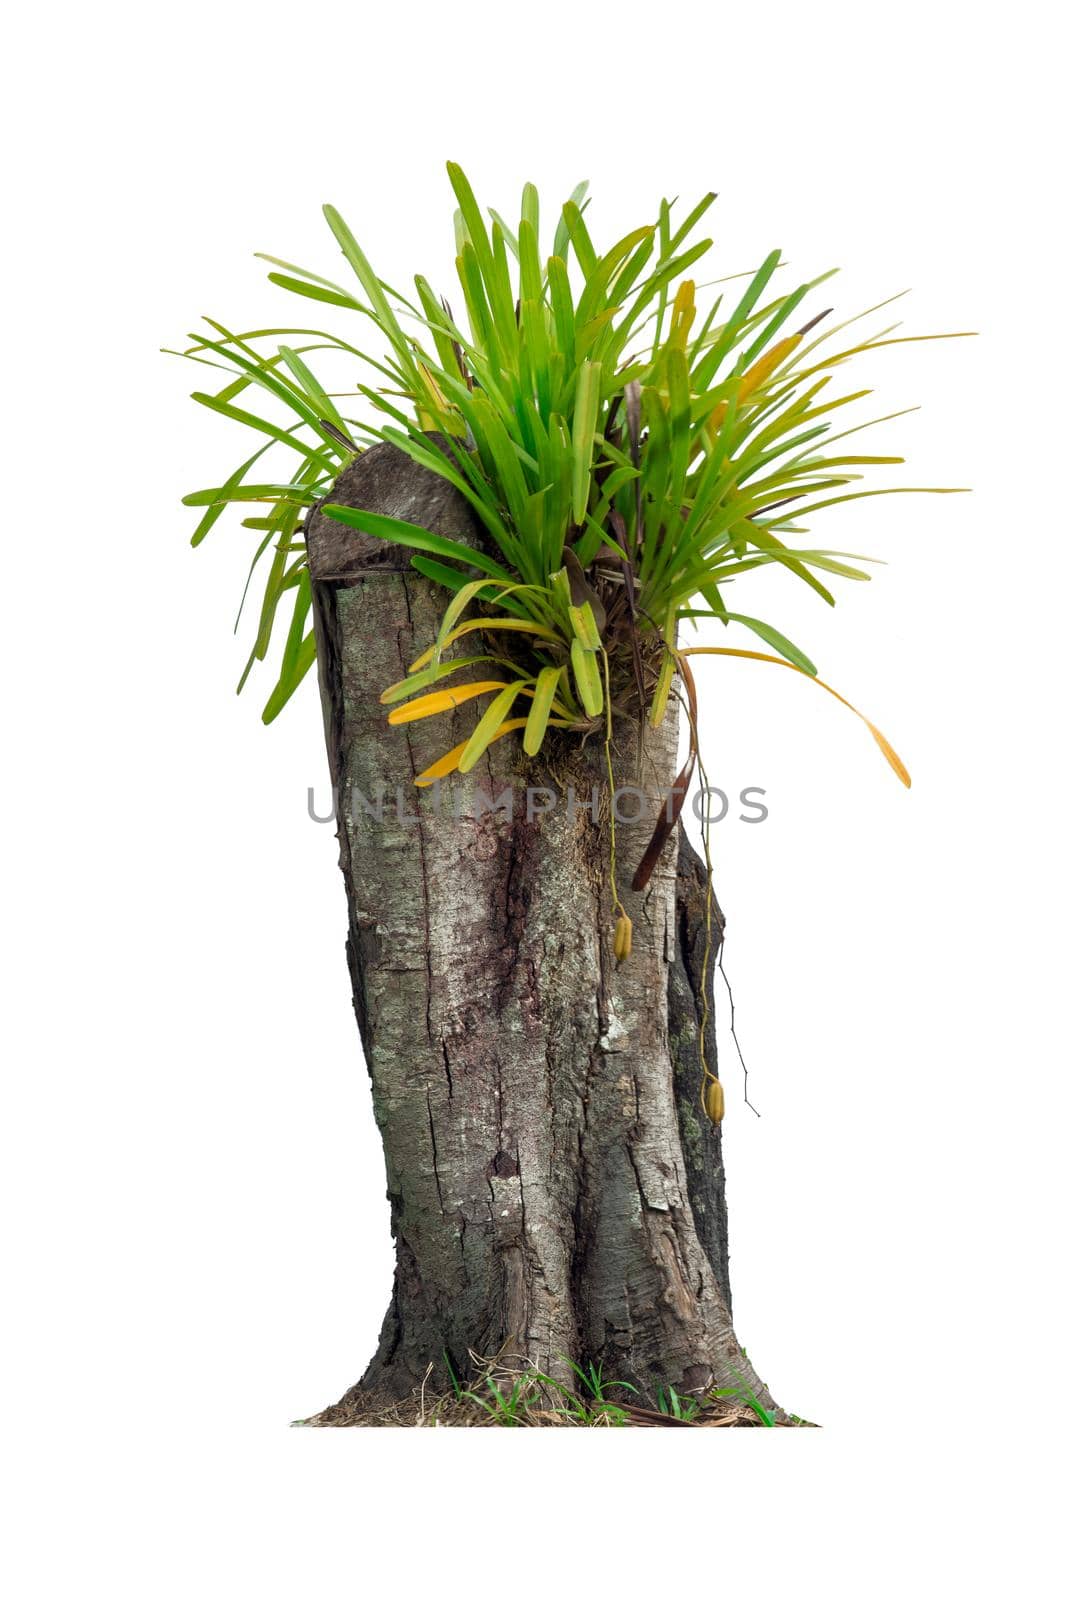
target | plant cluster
[{"x": 626, "y": 459}]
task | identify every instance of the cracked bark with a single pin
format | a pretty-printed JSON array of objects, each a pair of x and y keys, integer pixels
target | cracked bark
[{"x": 555, "y": 1191}]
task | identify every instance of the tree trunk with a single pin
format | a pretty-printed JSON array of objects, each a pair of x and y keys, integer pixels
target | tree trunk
[{"x": 556, "y": 1191}]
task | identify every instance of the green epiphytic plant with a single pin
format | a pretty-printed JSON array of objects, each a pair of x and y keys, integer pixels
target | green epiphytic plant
[{"x": 628, "y": 457}]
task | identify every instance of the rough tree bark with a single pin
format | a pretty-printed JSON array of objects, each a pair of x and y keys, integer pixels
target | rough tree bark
[{"x": 555, "y": 1190}]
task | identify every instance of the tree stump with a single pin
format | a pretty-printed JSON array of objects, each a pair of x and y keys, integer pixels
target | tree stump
[{"x": 556, "y": 1192}]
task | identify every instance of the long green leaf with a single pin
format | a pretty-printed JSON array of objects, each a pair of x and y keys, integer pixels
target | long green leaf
[
  {"x": 414, "y": 538},
  {"x": 540, "y": 707},
  {"x": 490, "y": 722}
]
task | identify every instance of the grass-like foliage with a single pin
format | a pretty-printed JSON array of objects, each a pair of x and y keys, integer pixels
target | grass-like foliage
[{"x": 627, "y": 455}]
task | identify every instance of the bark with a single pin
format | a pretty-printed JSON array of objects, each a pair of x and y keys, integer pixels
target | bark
[
  {"x": 702, "y": 1144},
  {"x": 555, "y": 1191}
]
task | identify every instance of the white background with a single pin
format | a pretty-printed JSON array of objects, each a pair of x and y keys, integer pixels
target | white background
[{"x": 197, "y": 1235}]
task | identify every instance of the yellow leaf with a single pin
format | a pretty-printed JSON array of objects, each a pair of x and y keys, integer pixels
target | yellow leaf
[
  {"x": 752, "y": 380},
  {"x": 766, "y": 365},
  {"x": 429, "y": 705},
  {"x": 682, "y": 315},
  {"x": 451, "y": 760},
  {"x": 887, "y": 749},
  {"x": 881, "y": 740}
]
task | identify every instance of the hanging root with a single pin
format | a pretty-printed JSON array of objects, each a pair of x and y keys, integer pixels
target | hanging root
[
  {"x": 712, "y": 1098},
  {"x": 624, "y": 931}
]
